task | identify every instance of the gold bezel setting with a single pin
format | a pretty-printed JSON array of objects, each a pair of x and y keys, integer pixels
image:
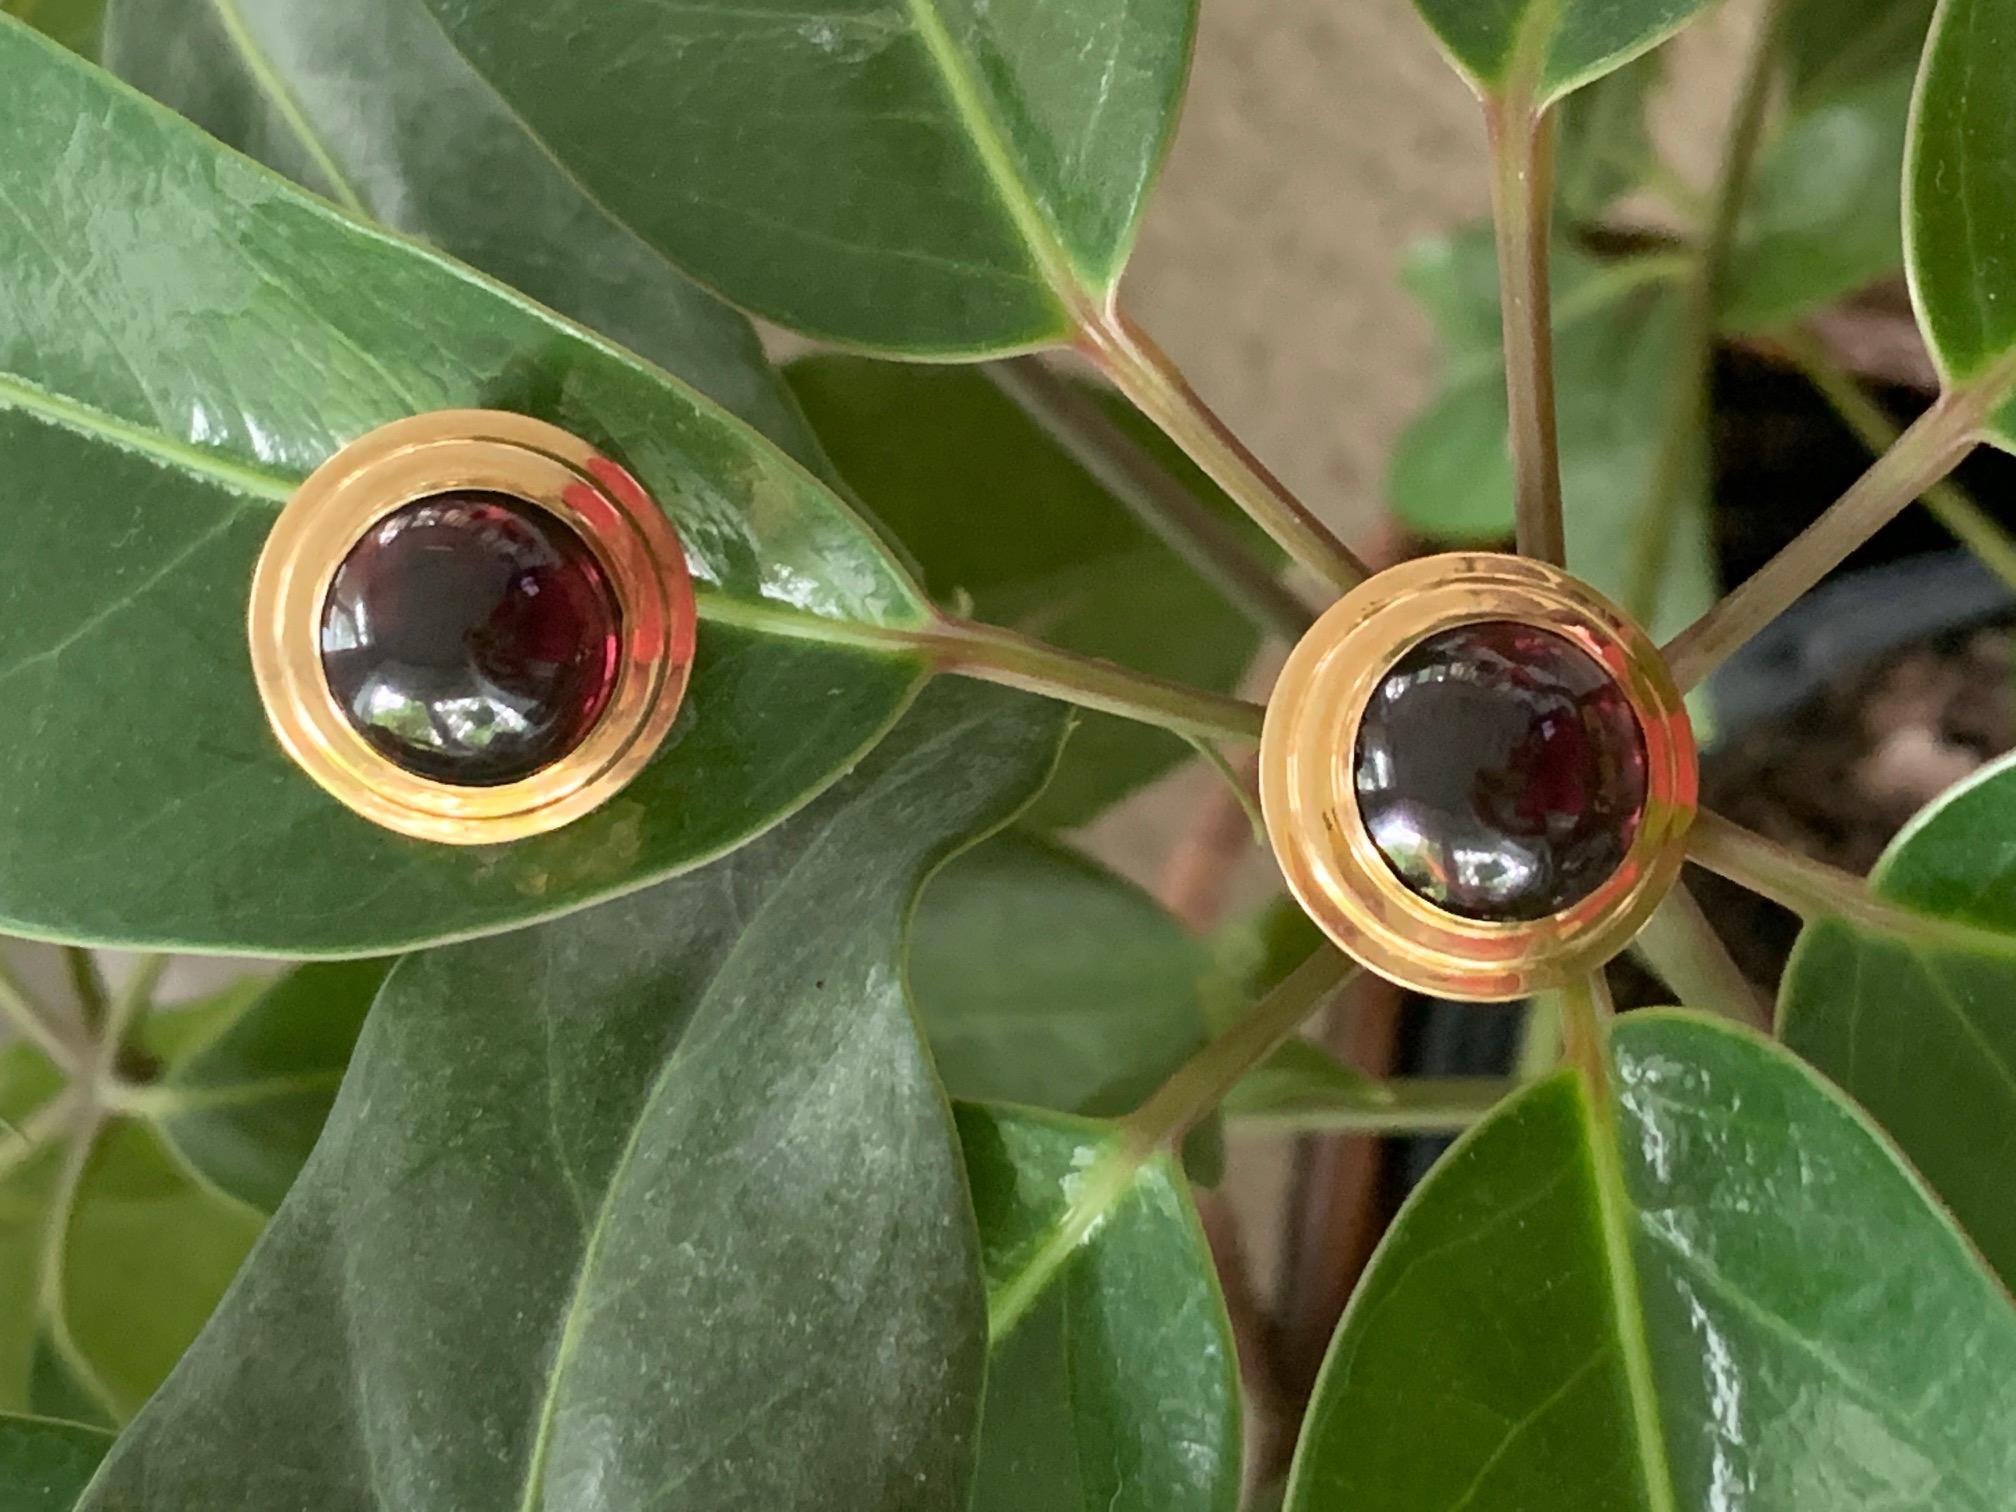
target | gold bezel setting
[
  {"x": 1308, "y": 792},
  {"x": 496, "y": 452}
]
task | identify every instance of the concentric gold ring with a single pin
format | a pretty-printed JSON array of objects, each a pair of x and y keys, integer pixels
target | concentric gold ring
[
  {"x": 487, "y": 451},
  {"x": 1308, "y": 793}
]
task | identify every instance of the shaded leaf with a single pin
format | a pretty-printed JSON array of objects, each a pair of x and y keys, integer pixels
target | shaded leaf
[
  {"x": 372, "y": 106},
  {"x": 1043, "y": 978},
  {"x": 77, "y": 24},
  {"x": 1922, "y": 1030},
  {"x": 610, "y": 1209},
  {"x": 1960, "y": 196},
  {"x": 997, "y": 514},
  {"x": 1555, "y": 45},
  {"x": 1725, "y": 1289},
  {"x": 1618, "y": 333},
  {"x": 167, "y": 374},
  {"x": 1834, "y": 46},
  {"x": 1825, "y": 209},
  {"x": 146, "y": 1254},
  {"x": 44, "y": 1463},
  {"x": 1603, "y": 145},
  {"x": 941, "y": 176},
  {"x": 245, "y": 1109},
  {"x": 149, "y": 1212},
  {"x": 1112, "y": 1382}
]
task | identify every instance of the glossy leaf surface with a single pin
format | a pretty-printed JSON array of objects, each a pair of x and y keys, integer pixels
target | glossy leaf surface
[
  {"x": 1617, "y": 332},
  {"x": 1960, "y": 196},
  {"x": 1825, "y": 208},
  {"x": 1551, "y": 46},
  {"x": 1112, "y": 1383},
  {"x": 44, "y": 1463},
  {"x": 372, "y": 106},
  {"x": 119, "y": 1235},
  {"x": 931, "y": 176},
  {"x": 995, "y": 513},
  {"x": 1042, "y": 978},
  {"x": 1726, "y": 1291},
  {"x": 1919, "y": 1028},
  {"x": 629, "y": 1200},
  {"x": 168, "y": 372}
]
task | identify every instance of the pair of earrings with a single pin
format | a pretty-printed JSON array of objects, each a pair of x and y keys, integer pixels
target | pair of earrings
[{"x": 471, "y": 627}]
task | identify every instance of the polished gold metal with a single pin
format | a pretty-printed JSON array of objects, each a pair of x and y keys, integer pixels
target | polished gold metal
[
  {"x": 1308, "y": 791},
  {"x": 488, "y": 451}
]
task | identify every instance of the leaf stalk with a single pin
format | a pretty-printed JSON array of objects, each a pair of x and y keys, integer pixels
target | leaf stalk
[
  {"x": 1126, "y": 470},
  {"x": 1923, "y": 455},
  {"x": 1132, "y": 363},
  {"x": 1522, "y": 196}
]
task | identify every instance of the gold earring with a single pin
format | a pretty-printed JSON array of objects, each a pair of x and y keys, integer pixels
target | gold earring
[
  {"x": 471, "y": 627},
  {"x": 1478, "y": 775}
]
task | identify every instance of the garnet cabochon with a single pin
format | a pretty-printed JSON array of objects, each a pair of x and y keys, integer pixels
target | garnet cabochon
[
  {"x": 471, "y": 638},
  {"x": 1500, "y": 771}
]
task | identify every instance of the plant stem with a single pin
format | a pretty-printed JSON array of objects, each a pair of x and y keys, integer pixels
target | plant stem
[
  {"x": 1586, "y": 1011},
  {"x": 1927, "y": 452},
  {"x": 1129, "y": 472},
  {"x": 1134, "y": 365},
  {"x": 1201, "y": 1083},
  {"x": 992, "y": 654},
  {"x": 136, "y": 1000},
  {"x": 1681, "y": 455},
  {"x": 28, "y": 1019},
  {"x": 35, "y": 1134},
  {"x": 1814, "y": 890},
  {"x": 1397, "y": 1105},
  {"x": 1013, "y": 660},
  {"x": 1681, "y": 945},
  {"x": 1949, "y": 503},
  {"x": 1539, "y": 1037},
  {"x": 87, "y": 985},
  {"x": 1522, "y": 197}
]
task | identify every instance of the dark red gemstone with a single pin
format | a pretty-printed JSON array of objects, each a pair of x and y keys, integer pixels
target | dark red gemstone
[
  {"x": 1501, "y": 771},
  {"x": 471, "y": 638}
]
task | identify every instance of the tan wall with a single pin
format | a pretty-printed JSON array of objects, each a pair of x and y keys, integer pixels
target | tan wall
[{"x": 1319, "y": 139}]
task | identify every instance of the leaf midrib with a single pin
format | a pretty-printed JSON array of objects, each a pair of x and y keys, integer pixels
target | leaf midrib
[
  {"x": 1615, "y": 1214},
  {"x": 766, "y": 616},
  {"x": 267, "y": 79}
]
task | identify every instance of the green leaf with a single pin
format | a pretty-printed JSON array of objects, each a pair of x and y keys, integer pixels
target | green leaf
[
  {"x": 167, "y": 375},
  {"x": 1112, "y": 1381},
  {"x": 1604, "y": 143},
  {"x": 1834, "y": 46},
  {"x": 1043, "y": 978},
  {"x": 1919, "y": 1028},
  {"x": 146, "y": 1255},
  {"x": 1618, "y": 330},
  {"x": 998, "y": 515},
  {"x": 1960, "y": 197},
  {"x": 44, "y": 1464},
  {"x": 1550, "y": 46},
  {"x": 245, "y": 1109},
  {"x": 149, "y": 1213},
  {"x": 1825, "y": 209},
  {"x": 936, "y": 176},
  {"x": 609, "y": 1210},
  {"x": 1723, "y": 1290},
  {"x": 372, "y": 106},
  {"x": 77, "y": 24}
]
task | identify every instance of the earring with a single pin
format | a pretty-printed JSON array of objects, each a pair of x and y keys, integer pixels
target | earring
[
  {"x": 471, "y": 627},
  {"x": 1477, "y": 775}
]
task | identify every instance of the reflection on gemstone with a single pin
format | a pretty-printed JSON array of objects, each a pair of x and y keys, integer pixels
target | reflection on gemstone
[
  {"x": 1500, "y": 771},
  {"x": 471, "y": 638}
]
